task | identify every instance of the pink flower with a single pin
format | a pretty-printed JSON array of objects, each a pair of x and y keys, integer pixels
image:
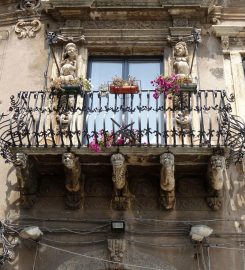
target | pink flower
[
  {"x": 94, "y": 147},
  {"x": 156, "y": 95}
]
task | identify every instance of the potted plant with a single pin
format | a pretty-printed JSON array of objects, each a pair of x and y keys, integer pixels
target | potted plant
[
  {"x": 172, "y": 85},
  {"x": 74, "y": 86},
  {"x": 108, "y": 139},
  {"x": 121, "y": 86}
]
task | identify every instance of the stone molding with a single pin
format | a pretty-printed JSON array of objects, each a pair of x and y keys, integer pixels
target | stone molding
[{"x": 232, "y": 37}]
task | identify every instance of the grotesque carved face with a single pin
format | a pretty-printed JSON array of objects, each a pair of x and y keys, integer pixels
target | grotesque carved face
[
  {"x": 21, "y": 160},
  {"x": 180, "y": 49},
  {"x": 117, "y": 160},
  {"x": 167, "y": 159},
  {"x": 29, "y": 4},
  {"x": 217, "y": 162},
  {"x": 68, "y": 160}
]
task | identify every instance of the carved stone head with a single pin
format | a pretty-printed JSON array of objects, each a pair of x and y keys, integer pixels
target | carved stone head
[
  {"x": 167, "y": 159},
  {"x": 29, "y": 4},
  {"x": 117, "y": 160},
  {"x": 70, "y": 51},
  {"x": 180, "y": 49},
  {"x": 21, "y": 160},
  {"x": 215, "y": 172},
  {"x": 217, "y": 162},
  {"x": 69, "y": 160}
]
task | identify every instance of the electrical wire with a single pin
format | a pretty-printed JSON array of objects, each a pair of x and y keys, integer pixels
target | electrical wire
[
  {"x": 35, "y": 258},
  {"x": 74, "y": 242},
  {"x": 97, "y": 258},
  {"x": 155, "y": 245},
  {"x": 228, "y": 248},
  {"x": 50, "y": 219},
  {"x": 197, "y": 253},
  {"x": 209, "y": 261},
  {"x": 203, "y": 258}
]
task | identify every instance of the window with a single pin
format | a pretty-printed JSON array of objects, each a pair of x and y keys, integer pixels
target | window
[
  {"x": 101, "y": 71},
  {"x": 144, "y": 69}
]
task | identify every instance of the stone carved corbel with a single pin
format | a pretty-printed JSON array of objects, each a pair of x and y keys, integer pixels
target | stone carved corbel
[
  {"x": 29, "y": 29},
  {"x": 74, "y": 188},
  {"x": 167, "y": 181},
  {"x": 27, "y": 180},
  {"x": 215, "y": 178},
  {"x": 121, "y": 197},
  {"x": 117, "y": 248}
]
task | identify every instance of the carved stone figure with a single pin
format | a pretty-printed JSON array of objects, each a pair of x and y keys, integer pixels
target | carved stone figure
[
  {"x": 27, "y": 179},
  {"x": 215, "y": 175},
  {"x": 167, "y": 181},
  {"x": 225, "y": 43},
  {"x": 117, "y": 248},
  {"x": 74, "y": 189},
  {"x": 69, "y": 64},
  {"x": 181, "y": 59},
  {"x": 121, "y": 200}
]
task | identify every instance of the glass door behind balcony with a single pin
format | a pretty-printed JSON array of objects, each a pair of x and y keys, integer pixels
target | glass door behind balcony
[{"x": 101, "y": 71}]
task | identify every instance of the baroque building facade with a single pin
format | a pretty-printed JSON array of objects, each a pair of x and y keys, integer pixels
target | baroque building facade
[{"x": 92, "y": 178}]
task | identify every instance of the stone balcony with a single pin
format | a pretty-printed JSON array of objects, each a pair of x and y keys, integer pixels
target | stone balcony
[{"x": 91, "y": 133}]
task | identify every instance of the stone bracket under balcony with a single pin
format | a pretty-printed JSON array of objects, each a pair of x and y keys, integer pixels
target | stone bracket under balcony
[{"x": 187, "y": 162}]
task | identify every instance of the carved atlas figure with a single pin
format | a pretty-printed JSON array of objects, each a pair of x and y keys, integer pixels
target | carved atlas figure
[
  {"x": 27, "y": 179},
  {"x": 74, "y": 189},
  {"x": 167, "y": 181},
  {"x": 215, "y": 178},
  {"x": 121, "y": 198}
]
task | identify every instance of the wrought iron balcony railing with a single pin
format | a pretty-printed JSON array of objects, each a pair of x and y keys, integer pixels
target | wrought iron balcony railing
[{"x": 41, "y": 119}]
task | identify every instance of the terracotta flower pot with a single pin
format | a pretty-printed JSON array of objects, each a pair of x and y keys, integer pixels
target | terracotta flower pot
[{"x": 126, "y": 89}]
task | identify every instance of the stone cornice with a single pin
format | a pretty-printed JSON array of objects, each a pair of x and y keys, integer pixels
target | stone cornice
[{"x": 229, "y": 30}]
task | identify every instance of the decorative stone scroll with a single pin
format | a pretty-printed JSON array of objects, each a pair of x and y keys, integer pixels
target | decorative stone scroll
[
  {"x": 215, "y": 177},
  {"x": 28, "y": 18},
  {"x": 167, "y": 181},
  {"x": 74, "y": 189},
  {"x": 117, "y": 248},
  {"x": 29, "y": 29},
  {"x": 121, "y": 197},
  {"x": 27, "y": 179}
]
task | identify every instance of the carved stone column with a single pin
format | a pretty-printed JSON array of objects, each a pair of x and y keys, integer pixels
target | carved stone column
[
  {"x": 167, "y": 181},
  {"x": 215, "y": 178},
  {"x": 121, "y": 197},
  {"x": 117, "y": 248},
  {"x": 27, "y": 179},
  {"x": 73, "y": 185}
]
